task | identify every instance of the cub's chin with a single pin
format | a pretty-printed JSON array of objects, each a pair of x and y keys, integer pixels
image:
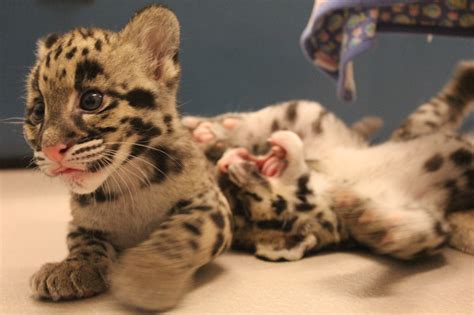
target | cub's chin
[{"x": 83, "y": 182}]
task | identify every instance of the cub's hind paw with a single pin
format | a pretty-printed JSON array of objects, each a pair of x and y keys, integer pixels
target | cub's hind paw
[
  {"x": 402, "y": 234},
  {"x": 346, "y": 202},
  {"x": 68, "y": 280}
]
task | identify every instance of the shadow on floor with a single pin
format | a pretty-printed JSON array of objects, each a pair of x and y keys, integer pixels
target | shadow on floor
[
  {"x": 206, "y": 274},
  {"x": 382, "y": 279}
]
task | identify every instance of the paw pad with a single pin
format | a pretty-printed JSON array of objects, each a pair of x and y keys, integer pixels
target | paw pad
[
  {"x": 203, "y": 132},
  {"x": 231, "y": 123}
]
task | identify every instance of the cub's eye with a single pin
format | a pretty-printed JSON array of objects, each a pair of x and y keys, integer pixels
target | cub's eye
[
  {"x": 38, "y": 111},
  {"x": 91, "y": 100}
]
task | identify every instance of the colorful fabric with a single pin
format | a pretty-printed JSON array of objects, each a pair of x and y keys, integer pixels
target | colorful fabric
[{"x": 339, "y": 30}]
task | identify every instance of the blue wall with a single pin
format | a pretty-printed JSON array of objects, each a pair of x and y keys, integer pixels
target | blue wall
[{"x": 236, "y": 55}]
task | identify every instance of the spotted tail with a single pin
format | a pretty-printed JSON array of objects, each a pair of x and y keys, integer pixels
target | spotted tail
[{"x": 446, "y": 111}]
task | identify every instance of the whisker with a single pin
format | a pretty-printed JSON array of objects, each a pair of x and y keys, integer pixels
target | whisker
[
  {"x": 107, "y": 193},
  {"x": 116, "y": 183},
  {"x": 116, "y": 172},
  {"x": 147, "y": 162},
  {"x": 12, "y": 118},
  {"x": 120, "y": 186},
  {"x": 109, "y": 190},
  {"x": 144, "y": 177},
  {"x": 32, "y": 161},
  {"x": 11, "y": 122},
  {"x": 150, "y": 148},
  {"x": 128, "y": 188},
  {"x": 144, "y": 180},
  {"x": 104, "y": 164}
]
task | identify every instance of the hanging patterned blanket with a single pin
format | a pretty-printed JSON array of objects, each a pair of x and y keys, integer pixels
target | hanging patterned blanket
[{"x": 339, "y": 30}]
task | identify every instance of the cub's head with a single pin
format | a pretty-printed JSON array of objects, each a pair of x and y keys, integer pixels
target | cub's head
[{"x": 98, "y": 99}]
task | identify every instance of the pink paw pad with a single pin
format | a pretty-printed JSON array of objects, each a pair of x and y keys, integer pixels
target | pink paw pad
[
  {"x": 203, "y": 133},
  {"x": 230, "y": 123}
]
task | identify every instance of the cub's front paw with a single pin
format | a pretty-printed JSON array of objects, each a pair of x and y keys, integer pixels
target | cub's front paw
[
  {"x": 210, "y": 130},
  {"x": 288, "y": 248},
  {"x": 67, "y": 280},
  {"x": 144, "y": 279}
]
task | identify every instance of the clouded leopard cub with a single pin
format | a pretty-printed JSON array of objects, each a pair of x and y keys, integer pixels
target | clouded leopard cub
[
  {"x": 101, "y": 116},
  {"x": 321, "y": 185}
]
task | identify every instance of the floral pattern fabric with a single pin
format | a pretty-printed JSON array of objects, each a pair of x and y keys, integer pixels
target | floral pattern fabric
[{"x": 339, "y": 30}]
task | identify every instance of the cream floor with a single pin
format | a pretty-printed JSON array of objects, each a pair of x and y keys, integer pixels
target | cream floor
[{"x": 34, "y": 212}]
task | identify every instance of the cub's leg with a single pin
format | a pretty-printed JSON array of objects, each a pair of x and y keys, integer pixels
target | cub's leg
[
  {"x": 445, "y": 111},
  {"x": 250, "y": 130},
  {"x": 403, "y": 232},
  {"x": 82, "y": 274},
  {"x": 157, "y": 273},
  {"x": 276, "y": 231},
  {"x": 265, "y": 186}
]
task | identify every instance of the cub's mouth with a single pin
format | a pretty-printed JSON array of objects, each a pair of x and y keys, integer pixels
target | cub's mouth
[
  {"x": 271, "y": 164},
  {"x": 79, "y": 178},
  {"x": 67, "y": 171}
]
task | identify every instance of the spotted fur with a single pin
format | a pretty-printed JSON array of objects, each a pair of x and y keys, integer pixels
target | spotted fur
[
  {"x": 310, "y": 120},
  {"x": 397, "y": 198},
  {"x": 375, "y": 204},
  {"x": 146, "y": 213}
]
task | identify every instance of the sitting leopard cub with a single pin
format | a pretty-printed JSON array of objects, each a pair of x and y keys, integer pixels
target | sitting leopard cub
[
  {"x": 391, "y": 197},
  {"x": 101, "y": 115}
]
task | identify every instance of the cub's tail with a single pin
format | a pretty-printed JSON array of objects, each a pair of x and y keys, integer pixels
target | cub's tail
[
  {"x": 458, "y": 94},
  {"x": 446, "y": 111}
]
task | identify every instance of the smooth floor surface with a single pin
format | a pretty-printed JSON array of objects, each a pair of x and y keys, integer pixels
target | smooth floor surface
[{"x": 34, "y": 213}]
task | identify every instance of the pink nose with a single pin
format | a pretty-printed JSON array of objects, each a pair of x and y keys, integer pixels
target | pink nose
[{"x": 56, "y": 152}]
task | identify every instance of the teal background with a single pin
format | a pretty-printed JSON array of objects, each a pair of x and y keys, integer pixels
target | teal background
[{"x": 236, "y": 55}]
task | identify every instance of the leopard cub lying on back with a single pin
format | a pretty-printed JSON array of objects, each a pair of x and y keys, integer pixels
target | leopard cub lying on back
[
  {"x": 101, "y": 115},
  {"x": 321, "y": 184}
]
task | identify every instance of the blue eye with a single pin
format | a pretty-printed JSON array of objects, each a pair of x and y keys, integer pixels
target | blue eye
[{"x": 91, "y": 100}]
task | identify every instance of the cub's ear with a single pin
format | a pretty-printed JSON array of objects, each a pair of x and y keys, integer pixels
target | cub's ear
[
  {"x": 45, "y": 43},
  {"x": 155, "y": 31}
]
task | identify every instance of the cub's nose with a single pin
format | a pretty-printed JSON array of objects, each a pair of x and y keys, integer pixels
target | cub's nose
[{"x": 56, "y": 152}]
